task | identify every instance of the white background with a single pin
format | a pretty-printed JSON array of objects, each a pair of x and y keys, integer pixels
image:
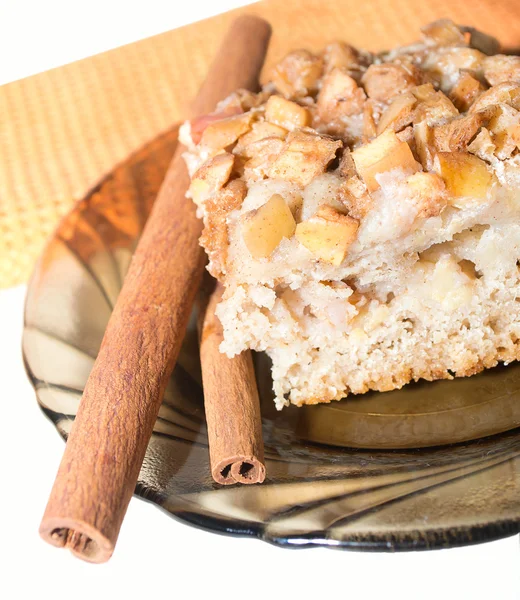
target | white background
[{"x": 157, "y": 556}]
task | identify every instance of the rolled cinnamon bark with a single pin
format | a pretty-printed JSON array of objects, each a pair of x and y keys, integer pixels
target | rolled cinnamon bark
[
  {"x": 232, "y": 406},
  {"x": 108, "y": 440}
]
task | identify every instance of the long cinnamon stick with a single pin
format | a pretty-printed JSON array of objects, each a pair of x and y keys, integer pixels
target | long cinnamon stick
[
  {"x": 232, "y": 407},
  {"x": 108, "y": 440}
]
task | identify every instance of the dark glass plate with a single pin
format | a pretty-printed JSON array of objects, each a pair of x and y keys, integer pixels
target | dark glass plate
[{"x": 429, "y": 466}]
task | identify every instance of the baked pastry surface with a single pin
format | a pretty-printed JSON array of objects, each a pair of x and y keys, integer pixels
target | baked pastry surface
[{"x": 363, "y": 214}]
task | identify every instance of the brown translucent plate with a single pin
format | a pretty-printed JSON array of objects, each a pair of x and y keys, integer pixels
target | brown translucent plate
[{"x": 432, "y": 465}]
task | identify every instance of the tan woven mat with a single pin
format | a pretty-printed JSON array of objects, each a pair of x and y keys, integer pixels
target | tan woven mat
[{"x": 62, "y": 130}]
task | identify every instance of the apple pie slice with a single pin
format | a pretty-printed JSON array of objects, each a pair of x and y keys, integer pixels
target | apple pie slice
[{"x": 363, "y": 214}]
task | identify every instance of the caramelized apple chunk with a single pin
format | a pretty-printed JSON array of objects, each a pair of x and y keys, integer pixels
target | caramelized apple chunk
[
  {"x": 339, "y": 55},
  {"x": 424, "y": 143},
  {"x": 199, "y": 123},
  {"x": 503, "y": 93},
  {"x": 444, "y": 64},
  {"x": 369, "y": 121},
  {"x": 501, "y": 69},
  {"x": 259, "y": 131},
  {"x": 483, "y": 146},
  {"x": 458, "y": 133},
  {"x": 502, "y": 124},
  {"x": 406, "y": 135},
  {"x": 424, "y": 91},
  {"x": 223, "y": 133},
  {"x": 383, "y": 154},
  {"x": 210, "y": 177},
  {"x": 354, "y": 195},
  {"x": 263, "y": 153},
  {"x": 465, "y": 91},
  {"x": 328, "y": 234},
  {"x": 435, "y": 108},
  {"x": 286, "y": 114},
  {"x": 443, "y": 32},
  {"x": 339, "y": 96},
  {"x": 346, "y": 167},
  {"x": 297, "y": 74},
  {"x": 514, "y": 133},
  {"x": 264, "y": 228},
  {"x": 429, "y": 193},
  {"x": 465, "y": 175},
  {"x": 383, "y": 81},
  {"x": 304, "y": 155},
  {"x": 399, "y": 113}
]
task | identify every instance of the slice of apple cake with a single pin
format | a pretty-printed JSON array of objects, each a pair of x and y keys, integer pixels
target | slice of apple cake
[{"x": 363, "y": 213}]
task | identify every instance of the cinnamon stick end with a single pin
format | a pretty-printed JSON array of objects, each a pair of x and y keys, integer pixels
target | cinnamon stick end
[
  {"x": 239, "y": 469},
  {"x": 83, "y": 540},
  {"x": 258, "y": 24}
]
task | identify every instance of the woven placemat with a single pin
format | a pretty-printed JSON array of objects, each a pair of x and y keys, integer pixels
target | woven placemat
[{"x": 62, "y": 130}]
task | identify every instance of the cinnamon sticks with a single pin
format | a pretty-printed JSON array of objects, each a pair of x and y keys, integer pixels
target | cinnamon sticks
[
  {"x": 232, "y": 406},
  {"x": 108, "y": 440}
]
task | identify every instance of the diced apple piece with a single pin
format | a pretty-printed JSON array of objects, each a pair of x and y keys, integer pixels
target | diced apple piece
[
  {"x": 426, "y": 184},
  {"x": 406, "y": 135},
  {"x": 384, "y": 81},
  {"x": 259, "y": 131},
  {"x": 328, "y": 234},
  {"x": 376, "y": 150},
  {"x": 398, "y": 114},
  {"x": 264, "y": 228},
  {"x": 502, "y": 118},
  {"x": 286, "y": 114},
  {"x": 483, "y": 145},
  {"x": 465, "y": 91},
  {"x": 339, "y": 96},
  {"x": 354, "y": 195},
  {"x": 304, "y": 156},
  {"x": 429, "y": 193},
  {"x": 369, "y": 121},
  {"x": 424, "y": 91},
  {"x": 241, "y": 100},
  {"x": 263, "y": 154},
  {"x": 501, "y": 68},
  {"x": 464, "y": 174},
  {"x": 297, "y": 74},
  {"x": 199, "y": 124},
  {"x": 225, "y": 132},
  {"x": 443, "y": 32},
  {"x": 444, "y": 63},
  {"x": 435, "y": 108},
  {"x": 503, "y": 93},
  {"x": 340, "y": 55},
  {"x": 514, "y": 132},
  {"x": 383, "y": 154},
  {"x": 423, "y": 135},
  {"x": 501, "y": 124},
  {"x": 347, "y": 168},
  {"x": 504, "y": 145},
  {"x": 457, "y": 134},
  {"x": 210, "y": 177}
]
